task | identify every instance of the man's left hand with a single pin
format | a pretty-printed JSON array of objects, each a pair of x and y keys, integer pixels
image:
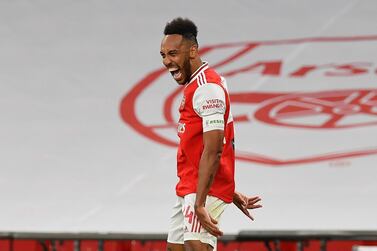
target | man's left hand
[{"x": 244, "y": 203}]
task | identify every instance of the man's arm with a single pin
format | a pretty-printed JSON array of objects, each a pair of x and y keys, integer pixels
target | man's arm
[
  {"x": 208, "y": 165},
  {"x": 213, "y": 123}
]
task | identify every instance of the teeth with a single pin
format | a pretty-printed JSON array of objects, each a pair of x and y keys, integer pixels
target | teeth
[
  {"x": 177, "y": 75},
  {"x": 175, "y": 72}
]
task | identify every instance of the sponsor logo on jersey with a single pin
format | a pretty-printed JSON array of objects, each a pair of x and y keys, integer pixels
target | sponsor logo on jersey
[
  {"x": 213, "y": 103},
  {"x": 211, "y": 106},
  {"x": 215, "y": 122}
]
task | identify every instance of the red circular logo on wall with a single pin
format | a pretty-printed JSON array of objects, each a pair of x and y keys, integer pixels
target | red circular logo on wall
[{"x": 327, "y": 108}]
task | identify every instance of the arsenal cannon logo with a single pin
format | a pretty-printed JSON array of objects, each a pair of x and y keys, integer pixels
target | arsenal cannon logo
[{"x": 294, "y": 101}]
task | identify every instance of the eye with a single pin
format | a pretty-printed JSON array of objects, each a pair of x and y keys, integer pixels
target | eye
[{"x": 173, "y": 53}]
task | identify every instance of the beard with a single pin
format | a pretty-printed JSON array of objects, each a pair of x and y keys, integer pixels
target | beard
[{"x": 187, "y": 69}]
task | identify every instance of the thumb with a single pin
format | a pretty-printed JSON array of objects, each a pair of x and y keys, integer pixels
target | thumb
[
  {"x": 213, "y": 220},
  {"x": 244, "y": 202}
]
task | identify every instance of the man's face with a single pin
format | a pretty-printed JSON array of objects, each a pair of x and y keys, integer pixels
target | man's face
[{"x": 175, "y": 53}]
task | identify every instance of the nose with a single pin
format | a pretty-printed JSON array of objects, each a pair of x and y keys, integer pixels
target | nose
[{"x": 166, "y": 61}]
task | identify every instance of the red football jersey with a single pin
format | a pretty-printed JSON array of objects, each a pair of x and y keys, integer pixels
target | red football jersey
[{"x": 205, "y": 106}]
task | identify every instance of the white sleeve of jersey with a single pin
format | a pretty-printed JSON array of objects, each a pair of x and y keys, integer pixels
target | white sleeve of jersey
[
  {"x": 223, "y": 83},
  {"x": 209, "y": 104}
]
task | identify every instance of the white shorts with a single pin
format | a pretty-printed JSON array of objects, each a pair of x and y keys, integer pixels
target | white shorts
[{"x": 184, "y": 225}]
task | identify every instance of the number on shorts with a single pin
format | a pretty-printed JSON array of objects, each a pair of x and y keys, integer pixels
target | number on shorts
[{"x": 189, "y": 214}]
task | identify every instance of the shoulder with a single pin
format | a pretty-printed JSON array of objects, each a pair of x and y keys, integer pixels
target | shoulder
[
  {"x": 209, "y": 99},
  {"x": 209, "y": 90},
  {"x": 211, "y": 76}
]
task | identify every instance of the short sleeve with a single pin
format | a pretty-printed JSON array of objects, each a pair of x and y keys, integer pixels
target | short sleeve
[{"x": 209, "y": 104}]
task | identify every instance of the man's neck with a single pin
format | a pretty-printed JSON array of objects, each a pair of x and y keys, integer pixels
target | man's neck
[{"x": 196, "y": 65}]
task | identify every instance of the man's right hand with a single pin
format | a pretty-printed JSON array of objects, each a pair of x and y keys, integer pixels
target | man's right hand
[{"x": 207, "y": 222}]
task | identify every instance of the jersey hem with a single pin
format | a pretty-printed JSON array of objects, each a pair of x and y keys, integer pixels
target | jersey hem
[{"x": 225, "y": 199}]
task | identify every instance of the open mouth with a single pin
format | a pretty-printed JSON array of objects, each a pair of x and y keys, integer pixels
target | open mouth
[{"x": 176, "y": 73}]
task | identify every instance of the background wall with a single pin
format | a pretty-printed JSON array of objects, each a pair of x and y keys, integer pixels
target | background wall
[{"x": 73, "y": 72}]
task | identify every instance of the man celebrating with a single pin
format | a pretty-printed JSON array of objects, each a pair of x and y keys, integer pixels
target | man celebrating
[{"x": 205, "y": 158}]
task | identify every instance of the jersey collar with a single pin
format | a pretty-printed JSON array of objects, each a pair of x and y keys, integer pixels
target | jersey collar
[{"x": 202, "y": 68}]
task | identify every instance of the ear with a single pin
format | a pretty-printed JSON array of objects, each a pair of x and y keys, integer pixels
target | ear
[{"x": 193, "y": 51}]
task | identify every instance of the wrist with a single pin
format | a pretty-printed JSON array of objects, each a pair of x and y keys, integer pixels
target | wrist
[
  {"x": 197, "y": 205},
  {"x": 235, "y": 195}
]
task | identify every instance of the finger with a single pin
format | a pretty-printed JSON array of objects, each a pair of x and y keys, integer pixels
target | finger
[
  {"x": 215, "y": 232},
  {"x": 253, "y": 203},
  {"x": 247, "y": 213},
  {"x": 243, "y": 199},
  {"x": 240, "y": 200},
  {"x": 239, "y": 205},
  {"x": 213, "y": 229},
  {"x": 244, "y": 202},
  {"x": 254, "y": 206},
  {"x": 254, "y": 200},
  {"x": 213, "y": 220},
  {"x": 255, "y": 197}
]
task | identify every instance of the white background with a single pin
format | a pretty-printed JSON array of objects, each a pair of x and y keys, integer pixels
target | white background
[{"x": 69, "y": 163}]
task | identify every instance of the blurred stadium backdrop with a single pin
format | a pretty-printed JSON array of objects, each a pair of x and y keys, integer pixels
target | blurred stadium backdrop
[{"x": 88, "y": 113}]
